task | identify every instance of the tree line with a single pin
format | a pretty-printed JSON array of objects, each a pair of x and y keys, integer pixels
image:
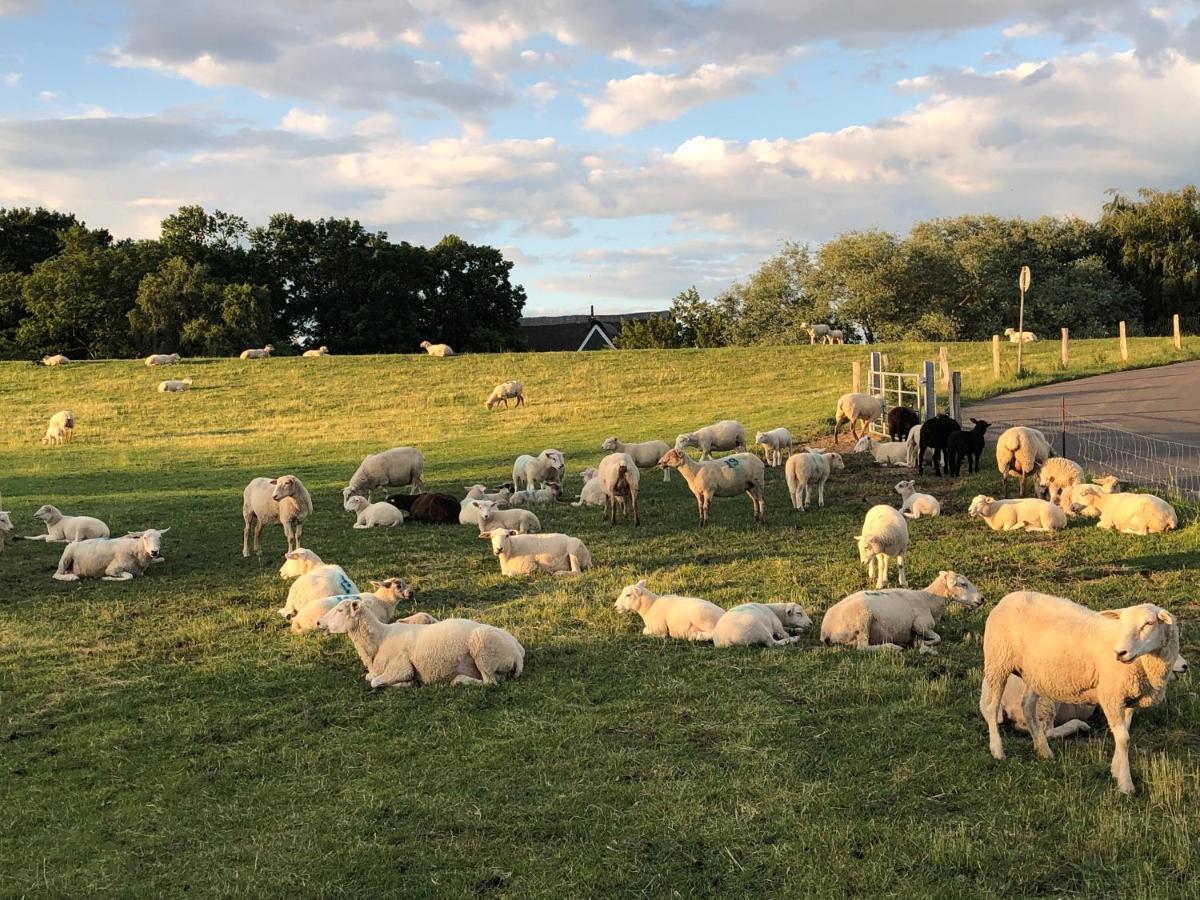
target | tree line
[
  {"x": 956, "y": 279},
  {"x": 211, "y": 285}
]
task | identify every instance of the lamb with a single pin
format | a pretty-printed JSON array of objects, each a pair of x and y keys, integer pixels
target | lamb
[
  {"x": 670, "y": 615},
  {"x": 891, "y": 453},
  {"x": 283, "y": 501},
  {"x": 504, "y": 392},
  {"x": 374, "y": 515},
  {"x": 835, "y": 336},
  {"x": 913, "y": 505},
  {"x": 1118, "y": 659},
  {"x": 815, "y": 331},
  {"x": 56, "y": 360},
  {"x": 314, "y": 579},
  {"x": 113, "y": 559},
  {"x": 1109, "y": 484},
  {"x": 1057, "y": 477},
  {"x": 439, "y": 350},
  {"x": 428, "y": 507},
  {"x": 884, "y": 536},
  {"x": 453, "y": 651},
  {"x": 900, "y": 421},
  {"x": 480, "y": 492},
  {"x": 490, "y": 516},
  {"x": 174, "y": 387},
  {"x": 313, "y": 354},
  {"x": 728, "y": 434},
  {"x": 6, "y": 530},
  {"x": 469, "y": 513},
  {"x": 60, "y": 528},
  {"x": 855, "y": 408},
  {"x": 806, "y": 469},
  {"x": 935, "y": 436},
  {"x": 1129, "y": 513},
  {"x": 381, "y": 601},
  {"x": 64, "y": 419},
  {"x": 966, "y": 445},
  {"x": 549, "y": 465},
  {"x": 548, "y": 494},
  {"x": 391, "y": 468},
  {"x": 646, "y": 454},
  {"x": 258, "y": 354},
  {"x": 770, "y": 624},
  {"x": 620, "y": 478},
  {"x": 894, "y": 619},
  {"x": 1017, "y": 337},
  {"x": 162, "y": 359},
  {"x": 1013, "y": 515},
  {"x": 914, "y": 447},
  {"x": 1021, "y": 451},
  {"x": 54, "y": 435},
  {"x": 776, "y": 444},
  {"x": 592, "y": 493},
  {"x": 528, "y": 554},
  {"x": 728, "y": 477}
]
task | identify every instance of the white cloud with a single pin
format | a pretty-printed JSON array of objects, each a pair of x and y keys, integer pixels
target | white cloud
[
  {"x": 305, "y": 122},
  {"x": 543, "y": 91},
  {"x": 48, "y": 96},
  {"x": 12, "y": 79}
]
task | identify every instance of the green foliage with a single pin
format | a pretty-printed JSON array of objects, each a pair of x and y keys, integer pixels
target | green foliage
[
  {"x": 700, "y": 324},
  {"x": 653, "y": 333},
  {"x": 771, "y": 305},
  {"x": 30, "y": 236}
]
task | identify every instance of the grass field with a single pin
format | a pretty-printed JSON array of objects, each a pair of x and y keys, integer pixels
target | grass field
[{"x": 170, "y": 735}]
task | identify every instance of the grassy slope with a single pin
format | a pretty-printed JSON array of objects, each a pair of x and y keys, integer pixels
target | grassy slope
[{"x": 173, "y": 734}]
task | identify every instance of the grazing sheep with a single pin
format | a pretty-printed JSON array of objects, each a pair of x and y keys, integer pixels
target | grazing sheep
[
  {"x": 490, "y": 516},
  {"x": 884, "y": 537},
  {"x": 551, "y": 493},
  {"x": 312, "y": 354},
  {"x": 1118, "y": 659},
  {"x": 835, "y": 336},
  {"x": 900, "y": 421},
  {"x": 283, "y": 501},
  {"x": 61, "y": 528},
  {"x": 669, "y": 615},
  {"x": 966, "y": 445},
  {"x": 728, "y": 434},
  {"x": 162, "y": 359},
  {"x": 113, "y": 559},
  {"x": 1029, "y": 513},
  {"x": 854, "y": 408},
  {"x": 935, "y": 436},
  {"x": 619, "y": 479},
  {"x": 815, "y": 331},
  {"x": 894, "y": 619},
  {"x": 728, "y": 477},
  {"x": 57, "y": 360},
  {"x": 64, "y": 419},
  {"x": 381, "y": 600},
  {"x": 453, "y": 651},
  {"x": 439, "y": 350},
  {"x": 1017, "y": 337},
  {"x": 258, "y": 354},
  {"x": 770, "y": 624},
  {"x": 1021, "y": 451},
  {"x": 803, "y": 470},
  {"x": 314, "y": 579},
  {"x": 54, "y": 435},
  {"x": 428, "y": 507},
  {"x": 391, "y": 468},
  {"x": 374, "y": 515},
  {"x": 776, "y": 444},
  {"x": 549, "y": 465},
  {"x": 890, "y": 453},
  {"x": 913, "y": 505},
  {"x": 1109, "y": 484},
  {"x": 1057, "y": 477},
  {"x": 646, "y": 454},
  {"x": 1129, "y": 513},
  {"x": 174, "y": 387},
  {"x": 528, "y": 554},
  {"x": 592, "y": 493},
  {"x": 504, "y": 392}
]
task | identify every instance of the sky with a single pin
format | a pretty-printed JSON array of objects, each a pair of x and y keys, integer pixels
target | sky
[{"x": 617, "y": 152}]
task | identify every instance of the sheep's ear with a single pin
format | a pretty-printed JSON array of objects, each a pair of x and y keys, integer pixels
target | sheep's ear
[
  {"x": 376, "y": 584},
  {"x": 1165, "y": 617},
  {"x": 164, "y": 530},
  {"x": 641, "y": 583},
  {"x": 858, "y": 537},
  {"x": 1111, "y": 613},
  {"x": 485, "y": 535},
  {"x": 943, "y": 573},
  {"x": 355, "y": 605},
  {"x": 274, "y": 481}
]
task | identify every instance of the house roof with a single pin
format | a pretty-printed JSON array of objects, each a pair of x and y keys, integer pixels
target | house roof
[{"x": 569, "y": 333}]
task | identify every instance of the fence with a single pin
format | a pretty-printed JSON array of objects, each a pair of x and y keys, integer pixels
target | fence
[{"x": 916, "y": 390}]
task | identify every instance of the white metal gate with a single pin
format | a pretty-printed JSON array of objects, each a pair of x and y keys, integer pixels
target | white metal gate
[{"x": 916, "y": 390}]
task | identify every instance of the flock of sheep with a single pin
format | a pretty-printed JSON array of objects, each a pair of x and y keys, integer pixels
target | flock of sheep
[{"x": 1048, "y": 662}]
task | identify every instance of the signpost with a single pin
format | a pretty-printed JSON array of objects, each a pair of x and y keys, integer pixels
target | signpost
[{"x": 1023, "y": 284}]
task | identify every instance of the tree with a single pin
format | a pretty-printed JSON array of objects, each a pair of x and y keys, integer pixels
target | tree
[
  {"x": 770, "y": 307},
  {"x": 653, "y": 333},
  {"x": 30, "y": 236},
  {"x": 860, "y": 278},
  {"x": 472, "y": 295},
  {"x": 218, "y": 239},
  {"x": 699, "y": 323}
]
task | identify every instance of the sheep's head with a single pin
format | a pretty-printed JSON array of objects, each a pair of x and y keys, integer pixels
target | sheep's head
[
  {"x": 981, "y": 506},
  {"x": 1108, "y": 484},
  {"x": 672, "y": 459},
  {"x": 474, "y": 492},
  {"x": 958, "y": 587},
  {"x": 904, "y": 488},
  {"x": 1008, "y": 332},
  {"x": 47, "y": 513},
  {"x": 269, "y": 348},
  {"x": 149, "y": 541},
  {"x": 394, "y": 588},
  {"x": 425, "y": 345},
  {"x": 683, "y": 441},
  {"x": 5, "y": 522},
  {"x": 1179, "y": 669},
  {"x": 759, "y": 437},
  {"x": 610, "y": 444},
  {"x": 556, "y": 460},
  {"x": 635, "y": 598},
  {"x": 356, "y": 503},
  {"x": 347, "y": 493},
  {"x": 501, "y": 539},
  {"x": 68, "y": 418},
  {"x": 1144, "y": 629},
  {"x": 588, "y": 474},
  {"x": 980, "y": 425},
  {"x": 342, "y": 617},
  {"x": 792, "y": 616},
  {"x": 863, "y": 445},
  {"x": 298, "y": 562},
  {"x": 1085, "y": 497},
  {"x": 285, "y": 486},
  {"x": 487, "y": 512}
]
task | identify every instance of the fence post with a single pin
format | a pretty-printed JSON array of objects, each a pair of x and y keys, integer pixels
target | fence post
[
  {"x": 1066, "y": 348},
  {"x": 1178, "y": 336},
  {"x": 876, "y": 384},
  {"x": 856, "y": 369},
  {"x": 944, "y": 365},
  {"x": 996, "y": 356},
  {"x": 886, "y": 362},
  {"x": 955, "y": 401},
  {"x": 930, "y": 391},
  {"x": 1124, "y": 344}
]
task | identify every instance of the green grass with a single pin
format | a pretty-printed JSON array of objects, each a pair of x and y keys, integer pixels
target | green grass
[{"x": 171, "y": 735}]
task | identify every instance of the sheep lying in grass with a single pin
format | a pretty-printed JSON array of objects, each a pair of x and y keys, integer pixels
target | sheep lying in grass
[
  {"x": 549, "y": 465},
  {"x": 776, "y": 445},
  {"x": 1118, "y": 659},
  {"x": 620, "y": 479},
  {"x": 854, "y": 408},
  {"x": 54, "y": 435},
  {"x": 391, "y": 468},
  {"x": 502, "y": 393},
  {"x": 6, "y": 530},
  {"x": 313, "y": 354},
  {"x": 1017, "y": 337},
  {"x": 113, "y": 559},
  {"x": 56, "y": 360},
  {"x": 670, "y": 615},
  {"x": 1129, "y": 513},
  {"x": 282, "y": 501},
  {"x": 258, "y": 354},
  {"x": 453, "y": 651},
  {"x": 1057, "y": 477},
  {"x": 1029, "y": 513},
  {"x": 469, "y": 509},
  {"x": 175, "y": 387},
  {"x": 891, "y": 453},
  {"x": 728, "y": 477},
  {"x": 490, "y": 516},
  {"x": 528, "y": 554},
  {"x": 803, "y": 470},
  {"x": 592, "y": 493},
  {"x": 894, "y": 619},
  {"x": 1109, "y": 484},
  {"x": 646, "y": 453},
  {"x": 427, "y": 507},
  {"x": 770, "y": 624},
  {"x": 67, "y": 528},
  {"x": 551, "y": 493},
  {"x": 1021, "y": 451},
  {"x": 381, "y": 601},
  {"x": 913, "y": 505},
  {"x": 884, "y": 537},
  {"x": 64, "y": 419},
  {"x": 314, "y": 579},
  {"x": 374, "y": 515},
  {"x": 162, "y": 359},
  {"x": 441, "y": 351},
  {"x": 728, "y": 434}
]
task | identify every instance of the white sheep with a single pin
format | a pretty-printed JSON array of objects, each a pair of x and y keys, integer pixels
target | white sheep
[
  {"x": 439, "y": 350},
  {"x": 469, "y": 514},
  {"x": 885, "y": 453},
  {"x": 1118, "y": 659},
  {"x": 113, "y": 559},
  {"x": 64, "y": 419},
  {"x": 894, "y": 619},
  {"x": 314, "y": 579},
  {"x": 1016, "y": 337},
  {"x": 913, "y": 442},
  {"x": 258, "y": 354},
  {"x": 728, "y": 477},
  {"x": 776, "y": 444},
  {"x": 592, "y": 492},
  {"x": 381, "y": 600},
  {"x": 551, "y": 493},
  {"x": 913, "y": 505},
  {"x": 1021, "y": 451},
  {"x": 770, "y": 624},
  {"x": 1129, "y": 513},
  {"x": 620, "y": 479},
  {"x": 884, "y": 537},
  {"x": 283, "y": 501},
  {"x": 6, "y": 530},
  {"x": 174, "y": 387},
  {"x": 1056, "y": 477},
  {"x": 728, "y": 434},
  {"x": 1028, "y": 513},
  {"x": 490, "y": 516},
  {"x": 313, "y": 354},
  {"x": 549, "y": 465},
  {"x": 670, "y": 615},
  {"x": 1109, "y": 484},
  {"x": 803, "y": 470},
  {"x": 854, "y": 408},
  {"x": 815, "y": 331},
  {"x": 453, "y": 651},
  {"x": 390, "y": 468},
  {"x": 56, "y": 360},
  {"x": 54, "y": 435},
  {"x": 528, "y": 554},
  {"x": 835, "y": 336},
  {"x": 645, "y": 453},
  {"x": 60, "y": 528},
  {"x": 505, "y": 391},
  {"x": 162, "y": 359},
  {"x": 373, "y": 515}
]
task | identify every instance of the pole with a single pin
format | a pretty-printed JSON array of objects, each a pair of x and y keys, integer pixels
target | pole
[
  {"x": 944, "y": 365},
  {"x": 1178, "y": 336},
  {"x": 996, "y": 356},
  {"x": 956, "y": 396},
  {"x": 1023, "y": 284},
  {"x": 930, "y": 390},
  {"x": 1066, "y": 348},
  {"x": 1124, "y": 344},
  {"x": 856, "y": 369}
]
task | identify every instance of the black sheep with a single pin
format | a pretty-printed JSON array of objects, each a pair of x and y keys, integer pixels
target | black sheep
[
  {"x": 935, "y": 433},
  {"x": 435, "y": 509},
  {"x": 968, "y": 444},
  {"x": 900, "y": 421}
]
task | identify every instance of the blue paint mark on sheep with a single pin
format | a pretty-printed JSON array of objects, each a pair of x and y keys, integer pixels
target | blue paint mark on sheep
[
  {"x": 345, "y": 584},
  {"x": 731, "y": 462}
]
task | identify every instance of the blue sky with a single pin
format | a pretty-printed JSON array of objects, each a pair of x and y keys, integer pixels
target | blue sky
[{"x": 617, "y": 152}]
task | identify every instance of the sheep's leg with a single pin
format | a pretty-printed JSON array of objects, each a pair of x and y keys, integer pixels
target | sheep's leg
[
  {"x": 466, "y": 679},
  {"x": 821, "y": 493},
  {"x": 637, "y": 516},
  {"x": 1118, "y": 723},
  {"x": 288, "y": 533},
  {"x": 120, "y": 576},
  {"x": 1068, "y": 729},
  {"x": 297, "y": 531},
  {"x": 1037, "y": 727},
  {"x": 991, "y": 701},
  {"x": 259, "y": 525},
  {"x": 245, "y": 538}
]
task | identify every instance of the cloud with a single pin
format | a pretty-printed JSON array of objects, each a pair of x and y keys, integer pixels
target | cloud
[
  {"x": 48, "y": 96},
  {"x": 543, "y": 91},
  {"x": 18, "y": 7},
  {"x": 12, "y": 79},
  {"x": 298, "y": 119}
]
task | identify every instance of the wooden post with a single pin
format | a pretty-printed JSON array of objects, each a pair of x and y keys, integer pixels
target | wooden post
[
  {"x": 886, "y": 361},
  {"x": 956, "y": 396},
  {"x": 930, "y": 391},
  {"x": 875, "y": 387},
  {"x": 1066, "y": 347},
  {"x": 1124, "y": 344},
  {"x": 856, "y": 368},
  {"x": 944, "y": 365},
  {"x": 996, "y": 356},
  {"x": 1178, "y": 336}
]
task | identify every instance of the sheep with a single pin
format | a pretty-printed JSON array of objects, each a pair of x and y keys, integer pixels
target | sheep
[
  {"x": 174, "y": 387},
  {"x": 258, "y": 354},
  {"x": 728, "y": 477},
  {"x": 815, "y": 331},
  {"x": 592, "y": 493},
  {"x": 900, "y": 421},
  {"x": 1109, "y": 484},
  {"x": 381, "y": 600},
  {"x": 468, "y": 513},
  {"x": 64, "y": 419},
  {"x": 808, "y": 468},
  {"x": 505, "y": 391},
  {"x": 855, "y": 408},
  {"x": 314, "y": 579},
  {"x": 646, "y": 453},
  {"x": 770, "y": 624},
  {"x": 891, "y": 453},
  {"x": 913, "y": 505},
  {"x": 1021, "y": 451},
  {"x": 776, "y": 444},
  {"x": 1013, "y": 515},
  {"x": 490, "y": 516},
  {"x": 427, "y": 507},
  {"x": 727, "y": 434},
  {"x": 548, "y": 494},
  {"x": 619, "y": 479},
  {"x": 480, "y": 492},
  {"x": 895, "y": 619},
  {"x": 113, "y": 559},
  {"x": 1017, "y": 337},
  {"x": 162, "y": 359},
  {"x": 528, "y": 554},
  {"x": 60, "y": 528},
  {"x": 966, "y": 445},
  {"x": 453, "y": 651},
  {"x": 54, "y": 435},
  {"x": 390, "y": 468},
  {"x": 1118, "y": 659},
  {"x": 313, "y": 354},
  {"x": 284, "y": 501},
  {"x": 373, "y": 515},
  {"x": 441, "y": 351},
  {"x": 935, "y": 435},
  {"x": 884, "y": 536},
  {"x": 1129, "y": 513},
  {"x": 1057, "y": 477},
  {"x": 913, "y": 441},
  {"x": 669, "y": 615},
  {"x": 6, "y": 530},
  {"x": 835, "y": 336},
  {"x": 56, "y": 360},
  {"x": 549, "y": 465}
]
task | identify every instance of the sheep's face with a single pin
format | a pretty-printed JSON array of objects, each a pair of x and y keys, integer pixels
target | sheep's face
[
  {"x": 501, "y": 539},
  {"x": 1084, "y": 498},
  {"x": 46, "y": 513},
  {"x": 1180, "y": 668},
  {"x": 836, "y": 463},
  {"x": 1108, "y": 483},
  {"x": 868, "y": 548},
  {"x": 474, "y": 492},
  {"x": 5, "y": 522},
  {"x": 555, "y": 460},
  {"x": 487, "y": 512},
  {"x": 960, "y": 588},
  {"x": 347, "y": 493},
  {"x": 760, "y": 437},
  {"x": 285, "y": 486},
  {"x": 980, "y": 425},
  {"x": 396, "y": 588},
  {"x": 904, "y": 488},
  {"x": 269, "y": 347},
  {"x": 341, "y": 618},
  {"x": 863, "y": 445},
  {"x": 980, "y": 506},
  {"x": 633, "y": 598},
  {"x": 356, "y": 504},
  {"x": 686, "y": 440},
  {"x": 672, "y": 459},
  {"x": 1144, "y": 629},
  {"x": 424, "y": 345},
  {"x": 610, "y": 444},
  {"x": 298, "y": 562},
  {"x": 588, "y": 474},
  {"x": 793, "y": 617},
  {"x": 150, "y": 541}
]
